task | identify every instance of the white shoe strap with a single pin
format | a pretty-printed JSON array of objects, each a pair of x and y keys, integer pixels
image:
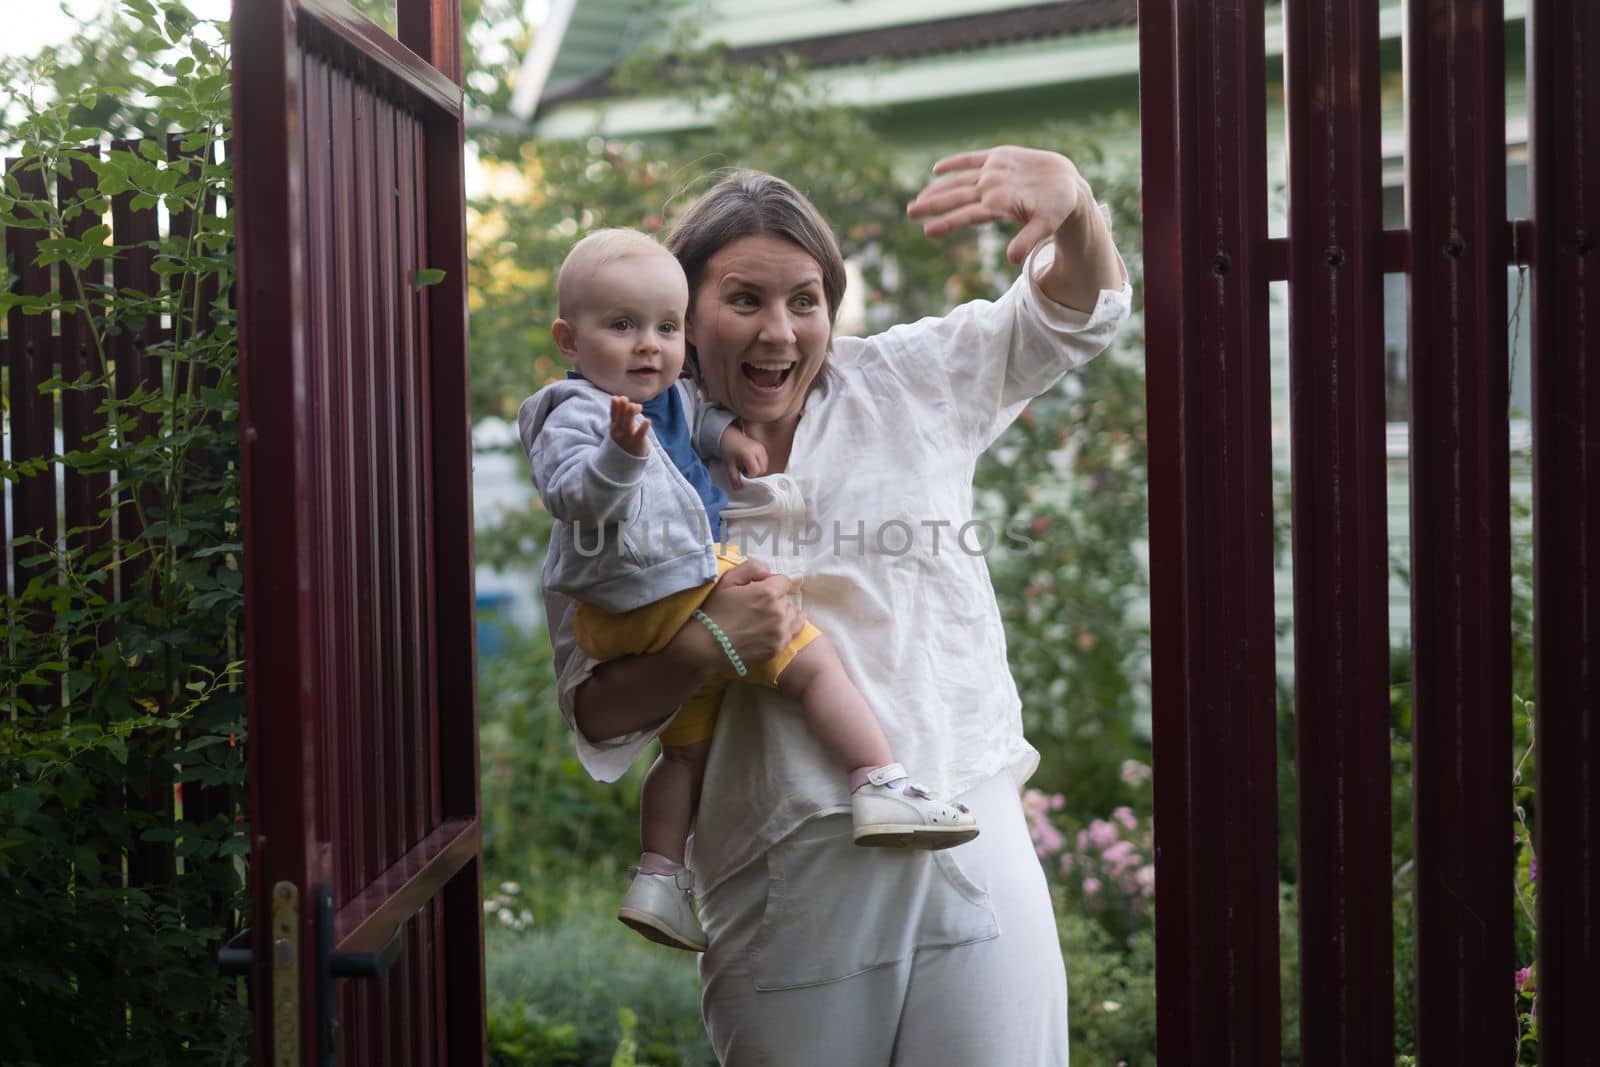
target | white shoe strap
[
  {"x": 683, "y": 879},
  {"x": 886, "y": 774}
]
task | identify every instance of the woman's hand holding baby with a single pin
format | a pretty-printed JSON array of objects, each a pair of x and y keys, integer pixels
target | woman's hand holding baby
[
  {"x": 634, "y": 438},
  {"x": 753, "y": 607}
]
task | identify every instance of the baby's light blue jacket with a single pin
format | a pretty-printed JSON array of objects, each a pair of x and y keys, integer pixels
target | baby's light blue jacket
[{"x": 629, "y": 531}]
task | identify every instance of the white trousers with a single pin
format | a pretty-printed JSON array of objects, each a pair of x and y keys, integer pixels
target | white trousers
[{"x": 825, "y": 954}]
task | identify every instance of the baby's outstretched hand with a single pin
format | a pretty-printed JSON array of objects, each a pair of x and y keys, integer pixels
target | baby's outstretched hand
[
  {"x": 633, "y": 437},
  {"x": 746, "y": 458}
]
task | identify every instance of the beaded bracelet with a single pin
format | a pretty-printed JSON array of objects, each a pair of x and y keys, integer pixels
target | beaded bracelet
[{"x": 722, "y": 639}]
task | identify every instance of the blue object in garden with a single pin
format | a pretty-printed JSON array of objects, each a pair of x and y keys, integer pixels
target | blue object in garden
[{"x": 491, "y": 612}]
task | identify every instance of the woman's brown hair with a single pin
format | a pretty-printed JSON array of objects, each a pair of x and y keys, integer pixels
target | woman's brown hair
[{"x": 749, "y": 203}]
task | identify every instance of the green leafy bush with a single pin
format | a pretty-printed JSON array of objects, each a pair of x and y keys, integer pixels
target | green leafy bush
[
  {"x": 556, "y": 985},
  {"x": 1102, "y": 881},
  {"x": 121, "y": 757},
  {"x": 1111, "y": 991},
  {"x": 543, "y": 816}
]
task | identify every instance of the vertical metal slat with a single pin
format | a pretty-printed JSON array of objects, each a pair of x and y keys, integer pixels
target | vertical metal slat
[
  {"x": 1211, "y": 531},
  {"x": 284, "y": 688},
  {"x": 33, "y": 424},
  {"x": 445, "y": 336},
  {"x": 1460, "y": 529},
  {"x": 334, "y": 821},
  {"x": 1565, "y": 161},
  {"x": 413, "y": 398},
  {"x": 85, "y": 492},
  {"x": 1340, "y": 529}
]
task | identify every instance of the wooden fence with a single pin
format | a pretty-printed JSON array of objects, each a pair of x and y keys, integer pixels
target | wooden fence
[
  {"x": 1210, "y": 262},
  {"x": 67, "y": 507}
]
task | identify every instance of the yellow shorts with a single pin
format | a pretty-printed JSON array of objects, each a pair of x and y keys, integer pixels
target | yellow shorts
[{"x": 605, "y": 636}]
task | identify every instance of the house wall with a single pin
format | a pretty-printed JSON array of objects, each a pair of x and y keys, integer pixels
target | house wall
[{"x": 741, "y": 23}]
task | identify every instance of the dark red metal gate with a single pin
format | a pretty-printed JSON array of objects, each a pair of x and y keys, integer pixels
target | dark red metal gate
[
  {"x": 1209, "y": 262},
  {"x": 1566, "y": 419},
  {"x": 358, "y": 536}
]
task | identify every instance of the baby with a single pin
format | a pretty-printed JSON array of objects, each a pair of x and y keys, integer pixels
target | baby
[{"x": 635, "y": 511}]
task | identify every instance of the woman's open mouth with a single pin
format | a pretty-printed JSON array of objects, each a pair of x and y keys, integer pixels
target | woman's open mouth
[{"x": 767, "y": 375}]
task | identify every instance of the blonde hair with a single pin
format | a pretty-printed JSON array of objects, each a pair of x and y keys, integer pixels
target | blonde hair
[{"x": 592, "y": 253}]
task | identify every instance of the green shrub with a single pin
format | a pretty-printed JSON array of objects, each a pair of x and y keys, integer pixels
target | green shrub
[
  {"x": 556, "y": 987},
  {"x": 544, "y": 818},
  {"x": 1111, "y": 992},
  {"x": 115, "y": 885}
]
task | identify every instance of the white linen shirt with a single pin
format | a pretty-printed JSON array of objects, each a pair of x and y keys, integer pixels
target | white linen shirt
[{"x": 866, "y": 518}]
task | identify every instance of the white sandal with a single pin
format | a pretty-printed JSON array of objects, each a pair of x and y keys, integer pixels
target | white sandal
[{"x": 907, "y": 816}]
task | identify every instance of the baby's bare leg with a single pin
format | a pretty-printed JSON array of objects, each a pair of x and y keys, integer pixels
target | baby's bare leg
[
  {"x": 670, "y": 797},
  {"x": 836, "y": 712}
]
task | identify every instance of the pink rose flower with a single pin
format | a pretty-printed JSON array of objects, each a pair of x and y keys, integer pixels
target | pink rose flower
[
  {"x": 1047, "y": 839},
  {"x": 1118, "y": 855}
]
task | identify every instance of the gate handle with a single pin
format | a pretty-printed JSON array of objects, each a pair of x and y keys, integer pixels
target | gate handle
[
  {"x": 331, "y": 965},
  {"x": 233, "y": 959}
]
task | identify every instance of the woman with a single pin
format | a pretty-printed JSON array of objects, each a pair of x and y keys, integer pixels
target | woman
[{"x": 820, "y": 952}]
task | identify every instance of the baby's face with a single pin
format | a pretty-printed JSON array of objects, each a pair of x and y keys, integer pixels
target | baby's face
[{"x": 627, "y": 329}]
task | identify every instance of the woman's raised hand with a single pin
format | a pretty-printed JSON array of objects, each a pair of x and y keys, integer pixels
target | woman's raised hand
[{"x": 1040, "y": 190}]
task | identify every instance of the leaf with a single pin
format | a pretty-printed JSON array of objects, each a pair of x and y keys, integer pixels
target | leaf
[
  {"x": 427, "y": 276},
  {"x": 78, "y": 682},
  {"x": 87, "y": 862}
]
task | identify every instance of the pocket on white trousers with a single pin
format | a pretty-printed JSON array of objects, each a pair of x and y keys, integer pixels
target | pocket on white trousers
[{"x": 835, "y": 909}]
